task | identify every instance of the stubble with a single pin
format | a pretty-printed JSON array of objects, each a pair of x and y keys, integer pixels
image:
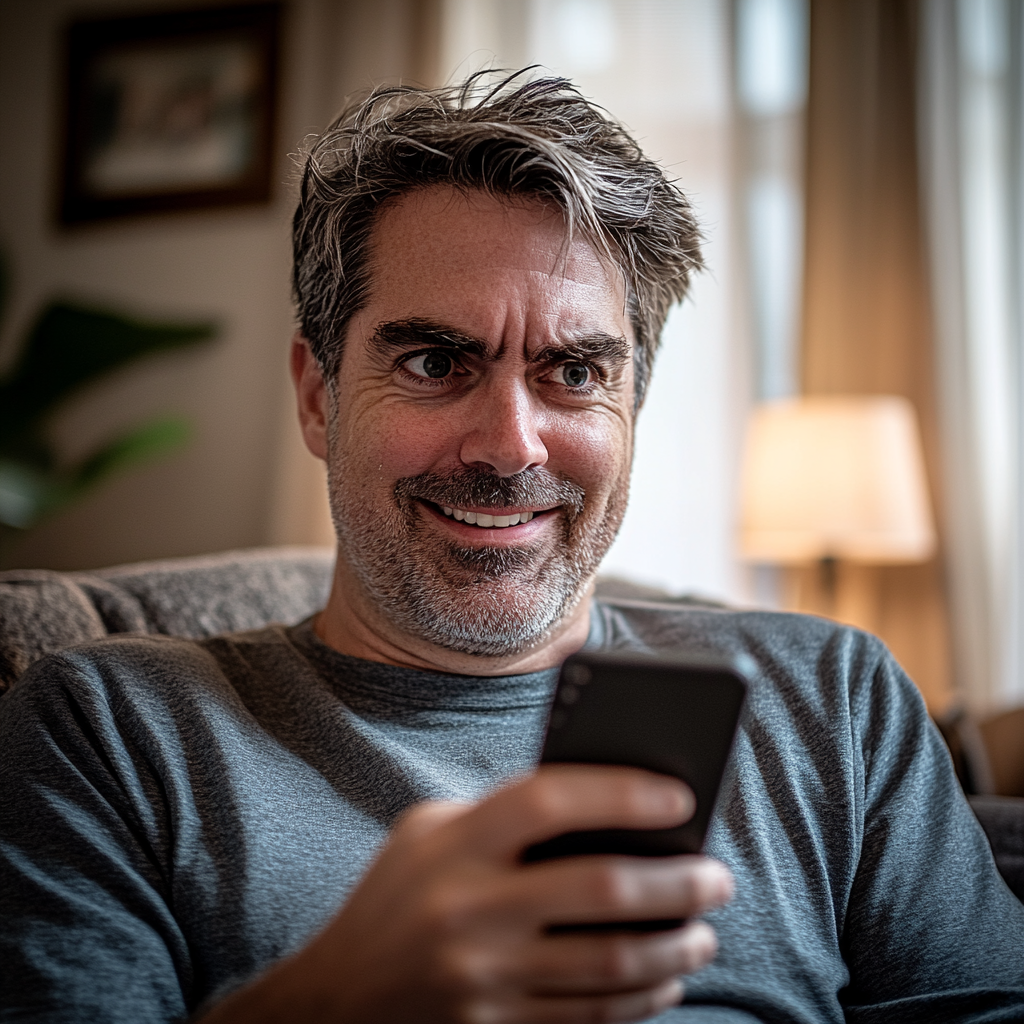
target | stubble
[{"x": 486, "y": 601}]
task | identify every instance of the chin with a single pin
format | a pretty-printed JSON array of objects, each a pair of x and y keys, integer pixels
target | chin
[
  {"x": 494, "y": 619},
  {"x": 486, "y": 602}
]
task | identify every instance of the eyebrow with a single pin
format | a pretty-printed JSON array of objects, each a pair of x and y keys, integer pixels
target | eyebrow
[
  {"x": 417, "y": 332},
  {"x": 599, "y": 347},
  {"x": 404, "y": 334}
]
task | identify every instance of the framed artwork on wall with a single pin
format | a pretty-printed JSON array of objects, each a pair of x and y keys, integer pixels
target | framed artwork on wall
[{"x": 169, "y": 111}]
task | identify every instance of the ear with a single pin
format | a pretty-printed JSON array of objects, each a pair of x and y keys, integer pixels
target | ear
[{"x": 311, "y": 396}]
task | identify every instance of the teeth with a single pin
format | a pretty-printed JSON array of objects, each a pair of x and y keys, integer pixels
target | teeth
[{"x": 485, "y": 519}]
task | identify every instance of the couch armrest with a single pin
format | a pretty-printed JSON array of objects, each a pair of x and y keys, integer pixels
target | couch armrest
[{"x": 1002, "y": 818}]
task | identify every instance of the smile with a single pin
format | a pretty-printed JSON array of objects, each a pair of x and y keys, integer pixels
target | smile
[{"x": 485, "y": 519}]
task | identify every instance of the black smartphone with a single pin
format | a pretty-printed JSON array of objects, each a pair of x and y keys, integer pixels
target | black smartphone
[{"x": 675, "y": 714}]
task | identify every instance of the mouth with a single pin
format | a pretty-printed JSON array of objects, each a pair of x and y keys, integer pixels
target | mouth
[{"x": 494, "y": 519}]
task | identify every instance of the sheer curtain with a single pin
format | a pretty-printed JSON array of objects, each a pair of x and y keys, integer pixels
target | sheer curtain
[
  {"x": 771, "y": 92},
  {"x": 971, "y": 102},
  {"x": 771, "y": 80}
]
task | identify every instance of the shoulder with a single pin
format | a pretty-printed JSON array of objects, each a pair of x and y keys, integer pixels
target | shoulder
[
  {"x": 815, "y": 679},
  {"x": 149, "y": 679},
  {"x": 807, "y": 668},
  {"x": 784, "y": 645}
]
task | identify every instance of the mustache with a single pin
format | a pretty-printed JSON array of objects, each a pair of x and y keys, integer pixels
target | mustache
[{"x": 480, "y": 489}]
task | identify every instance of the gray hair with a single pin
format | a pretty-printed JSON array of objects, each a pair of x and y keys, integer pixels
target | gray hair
[{"x": 513, "y": 138}]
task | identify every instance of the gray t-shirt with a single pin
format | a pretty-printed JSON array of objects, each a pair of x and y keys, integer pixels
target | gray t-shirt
[{"x": 176, "y": 815}]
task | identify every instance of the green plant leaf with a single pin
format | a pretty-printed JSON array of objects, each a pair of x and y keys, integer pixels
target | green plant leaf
[
  {"x": 29, "y": 493},
  {"x": 25, "y": 494},
  {"x": 68, "y": 347},
  {"x": 138, "y": 445}
]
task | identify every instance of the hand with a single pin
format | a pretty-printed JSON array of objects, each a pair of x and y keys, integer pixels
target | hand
[{"x": 448, "y": 924}]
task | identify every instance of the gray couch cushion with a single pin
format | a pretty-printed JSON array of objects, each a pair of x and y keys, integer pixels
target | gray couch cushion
[{"x": 43, "y": 611}]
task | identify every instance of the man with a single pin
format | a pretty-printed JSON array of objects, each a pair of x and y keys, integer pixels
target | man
[{"x": 326, "y": 822}]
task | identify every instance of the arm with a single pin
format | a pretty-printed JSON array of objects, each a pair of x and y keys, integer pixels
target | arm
[
  {"x": 448, "y": 925},
  {"x": 932, "y": 932},
  {"x": 446, "y": 921}
]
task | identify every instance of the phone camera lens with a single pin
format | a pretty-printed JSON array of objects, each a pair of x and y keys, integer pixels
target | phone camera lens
[{"x": 579, "y": 675}]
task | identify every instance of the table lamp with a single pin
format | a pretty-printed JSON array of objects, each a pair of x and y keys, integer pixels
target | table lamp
[{"x": 838, "y": 481}]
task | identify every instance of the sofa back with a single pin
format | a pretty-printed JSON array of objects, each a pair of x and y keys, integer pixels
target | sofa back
[{"x": 42, "y": 611}]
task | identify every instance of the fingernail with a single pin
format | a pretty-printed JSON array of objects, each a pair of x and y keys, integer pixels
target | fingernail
[
  {"x": 675, "y": 798},
  {"x": 680, "y": 992},
  {"x": 724, "y": 882}
]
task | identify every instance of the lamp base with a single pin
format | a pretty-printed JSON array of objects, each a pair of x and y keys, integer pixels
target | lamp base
[
  {"x": 845, "y": 591},
  {"x": 900, "y": 603}
]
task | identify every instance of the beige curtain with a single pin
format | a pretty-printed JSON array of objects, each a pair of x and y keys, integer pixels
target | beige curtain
[{"x": 866, "y": 321}]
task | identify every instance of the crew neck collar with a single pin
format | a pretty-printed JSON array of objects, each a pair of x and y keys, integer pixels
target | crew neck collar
[{"x": 351, "y": 676}]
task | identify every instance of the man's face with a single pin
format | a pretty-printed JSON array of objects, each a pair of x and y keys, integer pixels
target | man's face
[{"x": 481, "y": 434}]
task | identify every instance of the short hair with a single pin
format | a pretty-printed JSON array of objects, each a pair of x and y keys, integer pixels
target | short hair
[{"x": 512, "y": 137}]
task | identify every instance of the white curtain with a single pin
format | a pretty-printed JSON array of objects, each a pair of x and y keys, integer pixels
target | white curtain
[
  {"x": 770, "y": 73},
  {"x": 972, "y": 168},
  {"x": 771, "y": 92}
]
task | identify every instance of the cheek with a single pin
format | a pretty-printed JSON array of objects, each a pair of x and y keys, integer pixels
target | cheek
[
  {"x": 391, "y": 442},
  {"x": 593, "y": 451}
]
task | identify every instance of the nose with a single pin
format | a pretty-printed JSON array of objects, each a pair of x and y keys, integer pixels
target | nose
[{"x": 503, "y": 429}]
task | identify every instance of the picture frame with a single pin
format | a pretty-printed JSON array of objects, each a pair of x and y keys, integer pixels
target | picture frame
[{"x": 169, "y": 111}]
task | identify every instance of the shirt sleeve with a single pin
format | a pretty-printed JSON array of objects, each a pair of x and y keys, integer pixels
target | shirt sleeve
[
  {"x": 932, "y": 932},
  {"x": 86, "y": 927}
]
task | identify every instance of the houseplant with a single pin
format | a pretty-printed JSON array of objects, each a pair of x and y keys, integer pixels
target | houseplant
[{"x": 68, "y": 347}]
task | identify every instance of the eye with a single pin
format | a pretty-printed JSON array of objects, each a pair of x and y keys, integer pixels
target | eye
[
  {"x": 433, "y": 365},
  {"x": 573, "y": 375}
]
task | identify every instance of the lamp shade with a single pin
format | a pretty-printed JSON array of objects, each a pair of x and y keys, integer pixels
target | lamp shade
[{"x": 835, "y": 477}]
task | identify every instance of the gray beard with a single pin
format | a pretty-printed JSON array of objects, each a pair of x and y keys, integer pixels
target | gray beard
[{"x": 481, "y": 601}]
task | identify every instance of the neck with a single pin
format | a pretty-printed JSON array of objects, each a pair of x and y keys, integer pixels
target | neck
[{"x": 352, "y": 625}]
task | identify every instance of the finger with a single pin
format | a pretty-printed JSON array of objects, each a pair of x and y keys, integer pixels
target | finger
[
  {"x": 631, "y": 1006},
  {"x": 567, "y": 798},
  {"x": 584, "y": 964},
  {"x": 581, "y": 890},
  {"x": 626, "y": 962}
]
